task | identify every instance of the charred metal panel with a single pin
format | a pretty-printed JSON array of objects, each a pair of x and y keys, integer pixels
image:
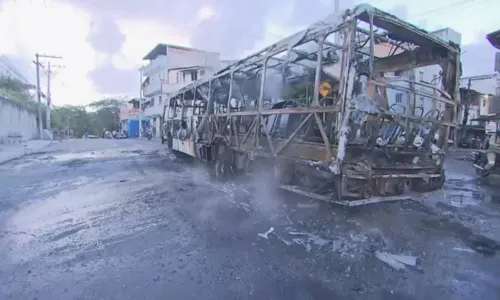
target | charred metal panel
[{"x": 494, "y": 39}]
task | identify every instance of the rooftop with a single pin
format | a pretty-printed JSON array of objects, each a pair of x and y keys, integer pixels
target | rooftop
[{"x": 161, "y": 49}]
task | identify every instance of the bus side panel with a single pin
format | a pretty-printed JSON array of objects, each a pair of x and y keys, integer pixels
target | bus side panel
[{"x": 184, "y": 146}]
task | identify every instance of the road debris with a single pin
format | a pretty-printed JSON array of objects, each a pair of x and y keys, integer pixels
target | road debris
[
  {"x": 286, "y": 242},
  {"x": 397, "y": 262},
  {"x": 468, "y": 157},
  {"x": 265, "y": 235},
  {"x": 307, "y": 239},
  {"x": 463, "y": 249},
  {"x": 308, "y": 205}
]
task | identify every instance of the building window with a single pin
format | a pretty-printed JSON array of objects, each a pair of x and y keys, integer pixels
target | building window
[
  {"x": 189, "y": 76},
  {"x": 135, "y": 105},
  {"x": 421, "y": 76},
  {"x": 159, "y": 99},
  {"x": 399, "y": 97},
  {"x": 152, "y": 101}
]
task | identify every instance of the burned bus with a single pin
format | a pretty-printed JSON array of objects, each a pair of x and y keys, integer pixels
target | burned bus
[{"x": 336, "y": 109}]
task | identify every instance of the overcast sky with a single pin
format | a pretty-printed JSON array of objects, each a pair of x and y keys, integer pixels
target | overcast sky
[{"x": 103, "y": 41}]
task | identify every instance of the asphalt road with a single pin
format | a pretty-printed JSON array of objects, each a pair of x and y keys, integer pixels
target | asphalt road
[{"x": 103, "y": 219}]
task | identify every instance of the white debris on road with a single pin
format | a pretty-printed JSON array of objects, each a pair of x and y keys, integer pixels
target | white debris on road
[
  {"x": 308, "y": 205},
  {"x": 266, "y": 234},
  {"x": 397, "y": 262},
  {"x": 469, "y": 250}
]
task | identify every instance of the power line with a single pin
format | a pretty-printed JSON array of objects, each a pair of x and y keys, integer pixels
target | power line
[
  {"x": 446, "y": 6},
  {"x": 450, "y": 7},
  {"x": 7, "y": 66}
]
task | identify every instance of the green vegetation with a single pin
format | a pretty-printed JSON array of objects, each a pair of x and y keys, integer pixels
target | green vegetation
[
  {"x": 91, "y": 118},
  {"x": 101, "y": 114},
  {"x": 17, "y": 92}
]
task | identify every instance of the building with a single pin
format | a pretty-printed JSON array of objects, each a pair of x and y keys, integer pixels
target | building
[
  {"x": 480, "y": 97},
  {"x": 169, "y": 69},
  {"x": 481, "y": 94},
  {"x": 129, "y": 117},
  {"x": 488, "y": 87},
  {"x": 428, "y": 78}
]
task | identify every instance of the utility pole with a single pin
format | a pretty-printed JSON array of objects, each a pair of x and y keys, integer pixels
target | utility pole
[
  {"x": 38, "y": 92},
  {"x": 337, "y": 10},
  {"x": 49, "y": 96},
  {"x": 140, "y": 103},
  {"x": 38, "y": 96},
  {"x": 47, "y": 114}
]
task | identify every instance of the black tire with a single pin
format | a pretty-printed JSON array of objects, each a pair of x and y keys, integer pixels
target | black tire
[
  {"x": 481, "y": 159},
  {"x": 223, "y": 166},
  {"x": 170, "y": 141},
  {"x": 283, "y": 173}
]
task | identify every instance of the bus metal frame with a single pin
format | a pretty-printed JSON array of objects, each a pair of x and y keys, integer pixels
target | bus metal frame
[{"x": 341, "y": 142}]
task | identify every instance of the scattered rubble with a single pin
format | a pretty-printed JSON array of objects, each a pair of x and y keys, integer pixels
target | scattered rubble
[{"x": 468, "y": 157}]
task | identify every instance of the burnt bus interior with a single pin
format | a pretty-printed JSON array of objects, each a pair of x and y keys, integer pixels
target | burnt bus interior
[{"x": 318, "y": 105}]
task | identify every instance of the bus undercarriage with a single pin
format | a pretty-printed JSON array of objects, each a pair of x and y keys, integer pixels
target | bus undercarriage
[{"x": 336, "y": 109}]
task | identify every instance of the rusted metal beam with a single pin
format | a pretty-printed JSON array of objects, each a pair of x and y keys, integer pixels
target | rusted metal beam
[
  {"x": 326, "y": 140},
  {"x": 292, "y": 136},
  {"x": 235, "y": 132},
  {"x": 420, "y": 57},
  {"x": 290, "y": 110},
  {"x": 249, "y": 130},
  {"x": 268, "y": 137}
]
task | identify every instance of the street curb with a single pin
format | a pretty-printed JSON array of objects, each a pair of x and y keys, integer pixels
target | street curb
[{"x": 26, "y": 154}]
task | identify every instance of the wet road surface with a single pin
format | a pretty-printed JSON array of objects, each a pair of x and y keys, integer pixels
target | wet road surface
[{"x": 100, "y": 219}]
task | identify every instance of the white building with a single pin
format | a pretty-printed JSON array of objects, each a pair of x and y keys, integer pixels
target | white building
[
  {"x": 428, "y": 78},
  {"x": 487, "y": 85},
  {"x": 169, "y": 69}
]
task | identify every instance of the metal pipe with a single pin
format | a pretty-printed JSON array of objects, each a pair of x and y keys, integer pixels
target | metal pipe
[
  {"x": 372, "y": 45},
  {"x": 208, "y": 111},
  {"x": 317, "y": 76},
  {"x": 230, "y": 93},
  {"x": 262, "y": 84}
]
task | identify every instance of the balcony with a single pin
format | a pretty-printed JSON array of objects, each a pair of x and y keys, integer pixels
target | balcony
[
  {"x": 152, "y": 88},
  {"x": 155, "y": 110},
  {"x": 154, "y": 66}
]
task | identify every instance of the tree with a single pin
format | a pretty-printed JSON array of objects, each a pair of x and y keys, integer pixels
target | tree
[
  {"x": 17, "y": 90},
  {"x": 107, "y": 113},
  {"x": 71, "y": 117}
]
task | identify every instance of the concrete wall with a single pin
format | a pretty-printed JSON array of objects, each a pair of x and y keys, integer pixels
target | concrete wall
[{"x": 16, "y": 122}]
